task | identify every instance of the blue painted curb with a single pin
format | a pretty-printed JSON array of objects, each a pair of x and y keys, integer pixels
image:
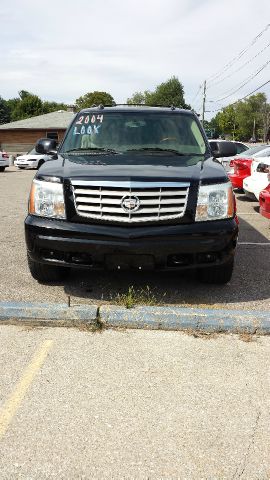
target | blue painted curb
[
  {"x": 155, "y": 318},
  {"x": 181, "y": 318},
  {"x": 47, "y": 312}
]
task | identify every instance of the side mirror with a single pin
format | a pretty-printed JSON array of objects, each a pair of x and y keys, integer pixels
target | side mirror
[
  {"x": 46, "y": 146},
  {"x": 224, "y": 149}
]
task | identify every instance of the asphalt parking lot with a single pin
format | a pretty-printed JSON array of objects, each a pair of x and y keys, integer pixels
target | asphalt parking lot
[
  {"x": 133, "y": 405},
  {"x": 248, "y": 289},
  {"x": 78, "y": 404}
]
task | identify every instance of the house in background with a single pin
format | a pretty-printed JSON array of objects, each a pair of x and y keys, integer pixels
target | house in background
[{"x": 20, "y": 136}]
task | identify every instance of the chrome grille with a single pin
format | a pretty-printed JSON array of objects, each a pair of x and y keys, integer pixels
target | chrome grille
[{"x": 114, "y": 201}]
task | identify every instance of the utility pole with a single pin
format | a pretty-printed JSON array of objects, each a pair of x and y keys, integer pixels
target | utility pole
[
  {"x": 254, "y": 129},
  {"x": 204, "y": 98}
]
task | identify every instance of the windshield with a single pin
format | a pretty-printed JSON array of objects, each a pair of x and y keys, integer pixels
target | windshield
[
  {"x": 253, "y": 150},
  {"x": 123, "y": 132},
  {"x": 263, "y": 153},
  {"x": 32, "y": 151}
]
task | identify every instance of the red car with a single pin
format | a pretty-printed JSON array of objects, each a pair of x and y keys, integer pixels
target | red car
[
  {"x": 242, "y": 169},
  {"x": 265, "y": 202}
]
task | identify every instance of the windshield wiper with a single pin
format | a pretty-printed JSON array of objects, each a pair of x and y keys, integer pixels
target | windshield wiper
[
  {"x": 94, "y": 149},
  {"x": 157, "y": 149}
]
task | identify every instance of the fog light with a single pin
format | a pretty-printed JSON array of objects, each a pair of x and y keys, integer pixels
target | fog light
[
  {"x": 81, "y": 259},
  {"x": 206, "y": 257},
  {"x": 179, "y": 260}
]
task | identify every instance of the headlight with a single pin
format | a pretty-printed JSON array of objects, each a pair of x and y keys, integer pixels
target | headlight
[
  {"x": 47, "y": 199},
  {"x": 215, "y": 202}
]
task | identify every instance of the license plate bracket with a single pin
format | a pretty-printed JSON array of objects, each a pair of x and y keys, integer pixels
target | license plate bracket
[{"x": 129, "y": 261}]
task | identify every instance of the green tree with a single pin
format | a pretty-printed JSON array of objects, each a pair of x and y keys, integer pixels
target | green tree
[
  {"x": 48, "y": 107},
  {"x": 28, "y": 106},
  {"x": 266, "y": 121},
  {"x": 211, "y": 128},
  {"x": 4, "y": 111},
  {"x": 23, "y": 94},
  {"x": 167, "y": 93},
  {"x": 249, "y": 115},
  {"x": 214, "y": 126},
  {"x": 94, "y": 98},
  {"x": 226, "y": 121},
  {"x": 138, "y": 98},
  {"x": 12, "y": 105},
  {"x": 245, "y": 119}
]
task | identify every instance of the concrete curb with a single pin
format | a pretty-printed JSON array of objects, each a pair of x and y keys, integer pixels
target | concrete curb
[
  {"x": 154, "y": 318},
  {"x": 52, "y": 314},
  {"x": 181, "y": 318}
]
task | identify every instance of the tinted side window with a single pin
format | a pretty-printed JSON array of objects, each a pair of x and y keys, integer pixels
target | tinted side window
[{"x": 240, "y": 148}]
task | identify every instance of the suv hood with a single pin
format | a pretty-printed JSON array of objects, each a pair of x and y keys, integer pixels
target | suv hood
[{"x": 135, "y": 167}]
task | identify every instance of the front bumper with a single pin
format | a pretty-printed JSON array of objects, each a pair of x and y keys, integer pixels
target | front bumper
[
  {"x": 26, "y": 164},
  {"x": 254, "y": 185},
  {"x": 150, "y": 247},
  {"x": 265, "y": 203}
]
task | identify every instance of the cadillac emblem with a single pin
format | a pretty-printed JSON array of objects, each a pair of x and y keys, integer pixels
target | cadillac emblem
[{"x": 130, "y": 204}]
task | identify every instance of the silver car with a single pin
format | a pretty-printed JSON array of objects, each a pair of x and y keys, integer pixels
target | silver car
[{"x": 4, "y": 160}]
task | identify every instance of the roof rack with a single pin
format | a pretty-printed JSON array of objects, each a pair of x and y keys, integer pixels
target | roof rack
[{"x": 101, "y": 106}]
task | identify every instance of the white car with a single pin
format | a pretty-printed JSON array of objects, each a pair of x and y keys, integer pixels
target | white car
[
  {"x": 260, "y": 151},
  {"x": 259, "y": 178},
  {"x": 4, "y": 160},
  {"x": 31, "y": 159}
]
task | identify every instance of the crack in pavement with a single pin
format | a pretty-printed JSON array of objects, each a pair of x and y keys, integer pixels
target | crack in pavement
[{"x": 251, "y": 443}]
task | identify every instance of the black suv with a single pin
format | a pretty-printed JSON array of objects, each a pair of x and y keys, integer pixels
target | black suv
[{"x": 132, "y": 187}]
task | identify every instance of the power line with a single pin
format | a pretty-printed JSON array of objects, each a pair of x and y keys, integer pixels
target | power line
[
  {"x": 240, "y": 54},
  {"x": 240, "y": 99},
  {"x": 246, "y": 81},
  {"x": 199, "y": 89},
  {"x": 238, "y": 69}
]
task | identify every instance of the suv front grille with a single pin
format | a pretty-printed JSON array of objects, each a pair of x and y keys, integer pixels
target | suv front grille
[{"x": 130, "y": 202}]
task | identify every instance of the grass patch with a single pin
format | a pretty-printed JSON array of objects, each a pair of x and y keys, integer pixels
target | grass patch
[
  {"x": 134, "y": 296},
  {"x": 247, "y": 337}
]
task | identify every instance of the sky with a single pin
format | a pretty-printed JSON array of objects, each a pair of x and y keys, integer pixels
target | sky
[{"x": 62, "y": 49}]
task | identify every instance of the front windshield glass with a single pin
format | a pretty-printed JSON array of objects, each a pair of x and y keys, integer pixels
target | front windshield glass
[
  {"x": 135, "y": 132},
  {"x": 252, "y": 150},
  {"x": 32, "y": 151},
  {"x": 263, "y": 153}
]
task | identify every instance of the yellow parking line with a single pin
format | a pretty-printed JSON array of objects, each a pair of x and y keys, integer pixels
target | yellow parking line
[{"x": 11, "y": 405}]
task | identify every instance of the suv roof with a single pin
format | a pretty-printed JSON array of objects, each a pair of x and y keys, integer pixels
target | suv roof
[
  {"x": 135, "y": 108},
  {"x": 224, "y": 140}
]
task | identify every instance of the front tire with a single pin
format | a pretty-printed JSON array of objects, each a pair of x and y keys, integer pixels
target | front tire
[
  {"x": 218, "y": 274},
  {"x": 46, "y": 273},
  {"x": 2, "y": 169}
]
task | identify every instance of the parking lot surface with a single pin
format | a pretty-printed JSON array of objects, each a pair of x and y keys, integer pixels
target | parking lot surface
[
  {"x": 248, "y": 289},
  {"x": 133, "y": 404}
]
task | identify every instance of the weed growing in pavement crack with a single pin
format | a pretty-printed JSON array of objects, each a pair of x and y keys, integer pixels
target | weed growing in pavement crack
[
  {"x": 133, "y": 297},
  {"x": 98, "y": 326}
]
